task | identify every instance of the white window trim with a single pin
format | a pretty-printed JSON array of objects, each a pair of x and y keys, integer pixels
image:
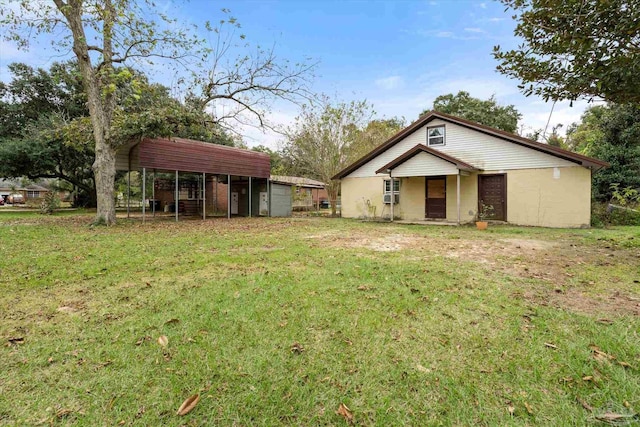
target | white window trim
[
  {"x": 384, "y": 186},
  {"x": 444, "y": 136}
]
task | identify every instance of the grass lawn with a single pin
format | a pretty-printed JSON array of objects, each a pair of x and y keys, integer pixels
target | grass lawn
[{"x": 280, "y": 321}]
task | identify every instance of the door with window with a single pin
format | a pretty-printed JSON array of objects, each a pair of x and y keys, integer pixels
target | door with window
[
  {"x": 492, "y": 191},
  {"x": 436, "y": 198}
]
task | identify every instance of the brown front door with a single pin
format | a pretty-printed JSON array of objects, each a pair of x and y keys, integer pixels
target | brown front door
[
  {"x": 436, "y": 198},
  {"x": 492, "y": 191}
]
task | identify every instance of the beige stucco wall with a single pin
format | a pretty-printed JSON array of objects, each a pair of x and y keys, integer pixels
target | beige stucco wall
[
  {"x": 354, "y": 194},
  {"x": 357, "y": 191},
  {"x": 549, "y": 197}
]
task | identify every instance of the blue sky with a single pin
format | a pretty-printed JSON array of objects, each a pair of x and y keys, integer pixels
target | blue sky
[{"x": 398, "y": 55}]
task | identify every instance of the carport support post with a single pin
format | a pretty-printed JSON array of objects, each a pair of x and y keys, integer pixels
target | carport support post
[
  {"x": 128, "y": 190},
  {"x": 204, "y": 195},
  {"x": 144, "y": 192},
  {"x": 153, "y": 193},
  {"x": 250, "y": 196},
  {"x": 392, "y": 193},
  {"x": 228, "y": 196},
  {"x": 268, "y": 197},
  {"x": 175, "y": 204},
  {"x": 458, "y": 194}
]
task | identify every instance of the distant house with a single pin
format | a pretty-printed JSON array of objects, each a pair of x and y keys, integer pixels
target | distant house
[
  {"x": 29, "y": 192},
  {"x": 446, "y": 168},
  {"x": 308, "y": 193}
]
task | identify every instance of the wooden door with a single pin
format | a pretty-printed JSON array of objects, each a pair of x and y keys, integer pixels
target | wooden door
[
  {"x": 492, "y": 190},
  {"x": 436, "y": 197}
]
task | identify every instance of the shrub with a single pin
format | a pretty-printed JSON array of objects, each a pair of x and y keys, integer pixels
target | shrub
[{"x": 50, "y": 202}]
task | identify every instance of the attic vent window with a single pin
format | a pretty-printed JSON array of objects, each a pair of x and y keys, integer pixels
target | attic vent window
[{"x": 435, "y": 136}]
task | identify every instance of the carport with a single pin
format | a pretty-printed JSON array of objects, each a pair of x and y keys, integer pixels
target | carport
[{"x": 195, "y": 173}]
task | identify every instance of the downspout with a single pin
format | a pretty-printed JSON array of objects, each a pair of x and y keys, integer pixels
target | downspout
[{"x": 392, "y": 192}]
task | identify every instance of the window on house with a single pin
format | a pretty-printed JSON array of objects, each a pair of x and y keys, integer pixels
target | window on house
[
  {"x": 33, "y": 194},
  {"x": 435, "y": 135},
  {"x": 387, "y": 186}
]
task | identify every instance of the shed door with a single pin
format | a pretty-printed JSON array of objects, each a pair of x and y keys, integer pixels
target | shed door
[
  {"x": 436, "y": 197},
  {"x": 493, "y": 191}
]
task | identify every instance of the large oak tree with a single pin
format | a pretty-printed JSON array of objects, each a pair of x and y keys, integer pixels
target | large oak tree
[{"x": 105, "y": 34}]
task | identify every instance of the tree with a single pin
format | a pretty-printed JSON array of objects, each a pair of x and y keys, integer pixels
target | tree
[
  {"x": 108, "y": 33},
  {"x": 575, "y": 49},
  {"x": 487, "y": 112},
  {"x": 375, "y": 133},
  {"x": 610, "y": 133},
  {"x": 48, "y": 132},
  {"x": 320, "y": 144},
  {"x": 277, "y": 161},
  {"x": 34, "y": 105}
]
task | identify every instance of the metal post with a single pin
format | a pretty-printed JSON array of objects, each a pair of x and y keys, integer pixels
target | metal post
[
  {"x": 458, "y": 194},
  {"x": 250, "y": 197},
  {"x": 144, "y": 193},
  {"x": 175, "y": 203},
  {"x": 268, "y": 198},
  {"x": 128, "y": 190},
  {"x": 153, "y": 193},
  {"x": 392, "y": 194},
  {"x": 204, "y": 195},
  {"x": 228, "y": 196}
]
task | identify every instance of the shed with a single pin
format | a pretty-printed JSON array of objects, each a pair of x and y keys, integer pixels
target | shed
[{"x": 197, "y": 178}]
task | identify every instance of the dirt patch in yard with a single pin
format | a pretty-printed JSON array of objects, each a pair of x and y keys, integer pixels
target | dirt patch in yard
[{"x": 611, "y": 305}]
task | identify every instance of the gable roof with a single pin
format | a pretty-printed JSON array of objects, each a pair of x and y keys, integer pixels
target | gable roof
[
  {"x": 580, "y": 159},
  {"x": 421, "y": 148}
]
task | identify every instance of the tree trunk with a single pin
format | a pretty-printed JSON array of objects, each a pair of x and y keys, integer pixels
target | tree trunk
[{"x": 104, "y": 169}]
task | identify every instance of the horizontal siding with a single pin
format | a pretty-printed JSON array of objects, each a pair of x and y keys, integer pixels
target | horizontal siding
[
  {"x": 424, "y": 164},
  {"x": 370, "y": 168},
  {"x": 483, "y": 151}
]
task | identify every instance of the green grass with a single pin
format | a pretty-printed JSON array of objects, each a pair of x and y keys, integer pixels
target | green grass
[{"x": 451, "y": 328}]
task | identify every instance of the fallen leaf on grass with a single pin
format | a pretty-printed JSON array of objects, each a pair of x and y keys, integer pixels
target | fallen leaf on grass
[
  {"x": 16, "y": 340},
  {"x": 172, "y": 321},
  {"x": 613, "y": 418},
  {"x": 585, "y": 405},
  {"x": 363, "y": 288},
  {"x": 163, "y": 340},
  {"x": 345, "y": 412},
  {"x": 624, "y": 364},
  {"x": 588, "y": 378},
  {"x": 297, "y": 348},
  {"x": 529, "y": 408},
  {"x": 511, "y": 409},
  {"x": 553, "y": 346},
  {"x": 188, "y": 405}
]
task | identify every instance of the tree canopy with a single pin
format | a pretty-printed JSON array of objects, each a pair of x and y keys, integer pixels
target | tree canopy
[
  {"x": 45, "y": 130},
  {"x": 487, "y": 112},
  {"x": 575, "y": 49},
  {"x": 610, "y": 133}
]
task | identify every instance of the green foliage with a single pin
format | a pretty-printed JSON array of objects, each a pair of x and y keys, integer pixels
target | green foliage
[
  {"x": 325, "y": 139},
  {"x": 485, "y": 212},
  {"x": 50, "y": 202},
  {"x": 487, "y": 112},
  {"x": 602, "y": 215},
  {"x": 575, "y": 49},
  {"x": 610, "y": 133}
]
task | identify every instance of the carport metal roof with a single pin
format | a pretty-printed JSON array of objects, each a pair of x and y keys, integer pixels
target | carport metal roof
[{"x": 186, "y": 155}]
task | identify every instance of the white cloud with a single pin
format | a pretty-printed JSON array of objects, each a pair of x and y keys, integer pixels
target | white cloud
[
  {"x": 390, "y": 83},
  {"x": 475, "y": 30},
  {"x": 444, "y": 34},
  {"x": 483, "y": 5}
]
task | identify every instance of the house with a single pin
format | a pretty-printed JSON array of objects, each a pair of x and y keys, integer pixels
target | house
[
  {"x": 446, "y": 168},
  {"x": 308, "y": 193},
  {"x": 29, "y": 192}
]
